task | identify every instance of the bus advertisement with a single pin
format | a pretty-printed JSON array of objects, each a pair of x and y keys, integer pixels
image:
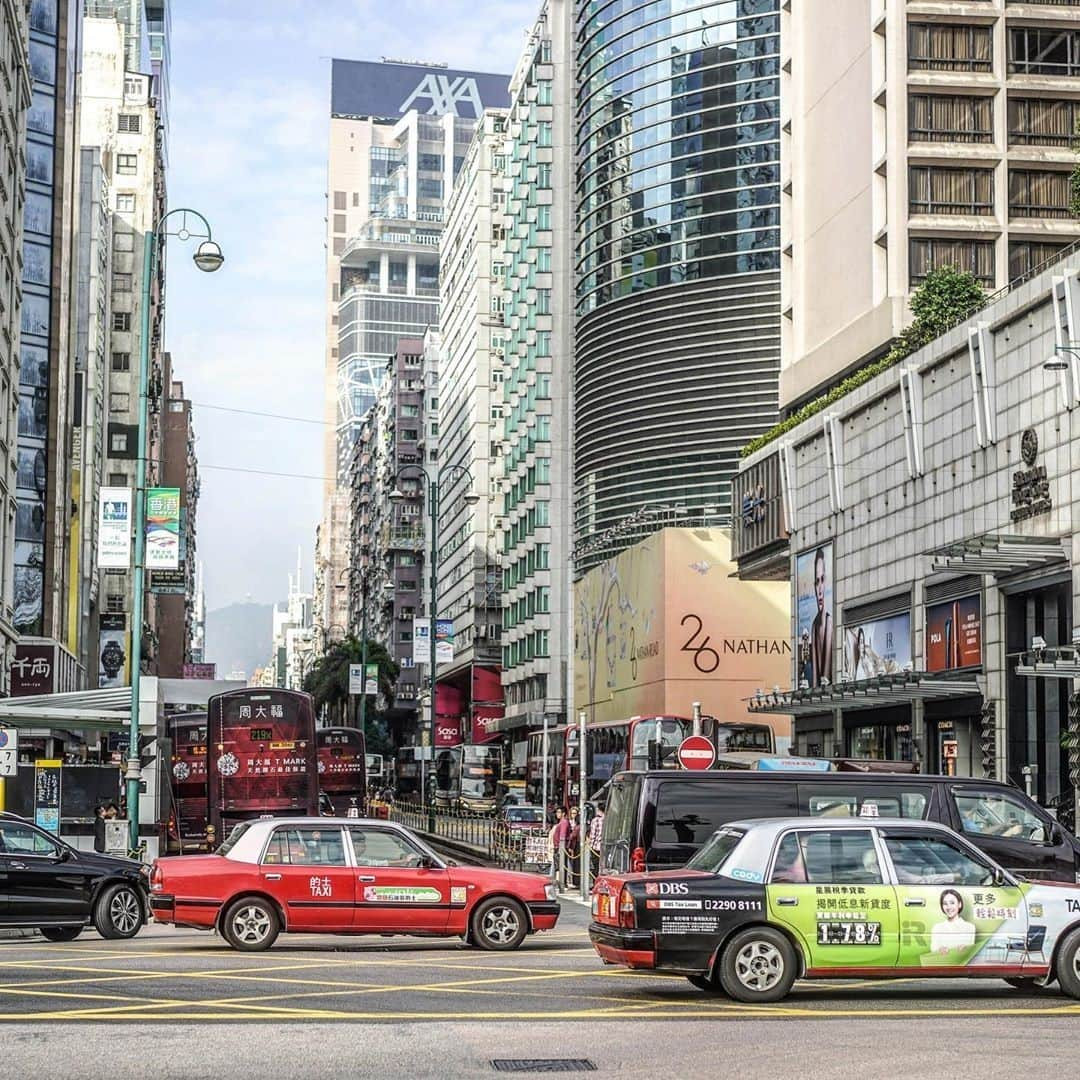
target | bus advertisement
[
  {"x": 342, "y": 768},
  {"x": 260, "y": 760},
  {"x": 187, "y": 777}
]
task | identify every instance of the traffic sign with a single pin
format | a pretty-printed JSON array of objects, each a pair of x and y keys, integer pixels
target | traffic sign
[
  {"x": 696, "y": 752},
  {"x": 9, "y": 751}
]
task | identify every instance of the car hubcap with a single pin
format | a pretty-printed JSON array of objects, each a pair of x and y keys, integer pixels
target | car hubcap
[
  {"x": 124, "y": 911},
  {"x": 251, "y": 925},
  {"x": 500, "y": 925},
  {"x": 759, "y": 966}
]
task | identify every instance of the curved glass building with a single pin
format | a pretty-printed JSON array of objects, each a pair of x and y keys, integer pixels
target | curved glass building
[{"x": 678, "y": 248}]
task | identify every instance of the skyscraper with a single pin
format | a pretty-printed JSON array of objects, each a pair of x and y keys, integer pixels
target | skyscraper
[{"x": 678, "y": 292}]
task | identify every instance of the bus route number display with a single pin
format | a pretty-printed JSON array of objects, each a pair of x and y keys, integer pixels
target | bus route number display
[
  {"x": 261, "y": 734},
  {"x": 849, "y": 933}
]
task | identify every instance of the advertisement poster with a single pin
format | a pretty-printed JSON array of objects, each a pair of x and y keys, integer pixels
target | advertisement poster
[
  {"x": 113, "y": 652},
  {"x": 444, "y": 641},
  {"x": 163, "y": 528},
  {"x": 421, "y": 641},
  {"x": 32, "y": 670},
  {"x": 173, "y": 582},
  {"x": 47, "y": 795},
  {"x": 199, "y": 671},
  {"x": 814, "y": 608},
  {"x": 114, "y": 528},
  {"x": 954, "y": 634},
  {"x": 877, "y": 647}
]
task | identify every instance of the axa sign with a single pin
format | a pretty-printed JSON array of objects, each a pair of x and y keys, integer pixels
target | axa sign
[{"x": 442, "y": 94}]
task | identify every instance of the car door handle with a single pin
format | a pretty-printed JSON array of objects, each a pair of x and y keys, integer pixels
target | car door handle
[
  {"x": 914, "y": 901},
  {"x": 787, "y": 901},
  {"x": 273, "y": 877},
  {"x": 365, "y": 877},
  {"x": 16, "y": 866}
]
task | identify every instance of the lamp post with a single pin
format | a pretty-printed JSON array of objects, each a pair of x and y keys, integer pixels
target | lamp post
[
  {"x": 471, "y": 498},
  {"x": 363, "y": 570},
  {"x": 208, "y": 258}
]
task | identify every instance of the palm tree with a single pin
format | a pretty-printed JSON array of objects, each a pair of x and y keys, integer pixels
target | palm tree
[{"x": 328, "y": 680}]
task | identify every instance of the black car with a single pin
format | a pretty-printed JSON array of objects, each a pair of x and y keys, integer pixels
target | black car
[{"x": 48, "y": 885}]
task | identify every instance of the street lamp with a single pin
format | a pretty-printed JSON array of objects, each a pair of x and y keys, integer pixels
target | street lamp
[
  {"x": 471, "y": 498},
  {"x": 208, "y": 258}
]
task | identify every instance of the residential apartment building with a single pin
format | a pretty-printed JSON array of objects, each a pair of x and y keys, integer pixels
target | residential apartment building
[
  {"x": 469, "y": 430},
  {"x": 383, "y": 163},
  {"x": 534, "y": 379},
  {"x": 678, "y": 283},
  {"x": 916, "y": 135},
  {"x": 17, "y": 463}
]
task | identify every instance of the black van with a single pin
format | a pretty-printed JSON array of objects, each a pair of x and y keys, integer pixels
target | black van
[{"x": 656, "y": 820}]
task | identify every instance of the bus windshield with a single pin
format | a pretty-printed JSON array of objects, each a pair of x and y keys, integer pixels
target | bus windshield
[
  {"x": 480, "y": 772},
  {"x": 668, "y": 731},
  {"x": 731, "y": 737}
]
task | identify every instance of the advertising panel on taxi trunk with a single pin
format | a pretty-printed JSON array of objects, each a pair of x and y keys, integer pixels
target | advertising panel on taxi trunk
[{"x": 664, "y": 624}]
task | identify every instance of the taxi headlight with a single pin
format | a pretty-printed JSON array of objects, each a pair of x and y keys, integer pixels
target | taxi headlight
[{"x": 549, "y": 891}]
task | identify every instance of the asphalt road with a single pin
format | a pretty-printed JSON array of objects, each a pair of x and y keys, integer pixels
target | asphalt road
[{"x": 177, "y": 1003}]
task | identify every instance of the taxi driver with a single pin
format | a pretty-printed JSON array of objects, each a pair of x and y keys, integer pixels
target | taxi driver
[{"x": 364, "y": 858}]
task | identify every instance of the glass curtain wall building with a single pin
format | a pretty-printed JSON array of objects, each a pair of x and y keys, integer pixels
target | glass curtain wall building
[{"x": 678, "y": 248}]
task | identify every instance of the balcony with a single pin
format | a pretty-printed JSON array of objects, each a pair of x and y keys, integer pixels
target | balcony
[{"x": 403, "y": 538}]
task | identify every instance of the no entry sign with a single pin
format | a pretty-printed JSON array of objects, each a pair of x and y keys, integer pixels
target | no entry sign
[{"x": 696, "y": 752}]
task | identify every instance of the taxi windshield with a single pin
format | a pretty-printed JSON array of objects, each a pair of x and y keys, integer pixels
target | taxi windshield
[{"x": 715, "y": 853}]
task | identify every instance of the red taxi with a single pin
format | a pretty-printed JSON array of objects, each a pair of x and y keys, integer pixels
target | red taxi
[{"x": 344, "y": 876}]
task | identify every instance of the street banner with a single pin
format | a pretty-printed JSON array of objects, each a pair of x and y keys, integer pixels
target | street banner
[
  {"x": 173, "y": 582},
  {"x": 163, "y": 528},
  {"x": 114, "y": 528},
  {"x": 356, "y": 678},
  {"x": 47, "y": 794},
  {"x": 444, "y": 641},
  {"x": 113, "y": 654},
  {"x": 371, "y": 679},
  {"x": 421, "y": 641}
]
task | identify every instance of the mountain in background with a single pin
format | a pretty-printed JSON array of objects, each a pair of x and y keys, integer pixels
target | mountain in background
[{"x": 239, "y": 637}]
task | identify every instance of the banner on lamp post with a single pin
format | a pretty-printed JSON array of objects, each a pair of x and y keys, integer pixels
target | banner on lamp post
[
  {"x": 163, "y": 528},
  {"x": 421, "y": 641},
  {"x": 356, "y": 678},
  {"x": 371, "y": 679},
  {"x": 444, "y": 641},
  {"x": 114, "y": 528}
]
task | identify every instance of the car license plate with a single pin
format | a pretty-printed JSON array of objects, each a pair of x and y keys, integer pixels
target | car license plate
[{"x": 849, "y": 933}]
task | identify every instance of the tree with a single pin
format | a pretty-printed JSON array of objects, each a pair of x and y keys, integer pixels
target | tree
[{"x": 328, "y": 680}]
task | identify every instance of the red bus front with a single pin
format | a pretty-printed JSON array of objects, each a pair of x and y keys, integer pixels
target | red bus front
[
  {"x": 187, "y": 773},
  {"x": 342, "y": 768},
  {"x": 262, "y": 759}
]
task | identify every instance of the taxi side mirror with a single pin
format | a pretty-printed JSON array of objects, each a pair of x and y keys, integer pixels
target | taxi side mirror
[
  {"x": 999, "y": 877},
  {"x": 428, "y": 863}
]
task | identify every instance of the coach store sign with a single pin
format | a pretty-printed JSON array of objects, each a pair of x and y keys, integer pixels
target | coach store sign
[{"x": 1030, "y": 487}]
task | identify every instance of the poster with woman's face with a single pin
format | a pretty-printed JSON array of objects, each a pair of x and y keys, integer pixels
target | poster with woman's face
[
  {"x": 877, "y": 647},
  {"x": 814, "y": 616}
]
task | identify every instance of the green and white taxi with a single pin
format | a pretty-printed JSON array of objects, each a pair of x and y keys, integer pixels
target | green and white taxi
[{"x": 766, "y": 902}]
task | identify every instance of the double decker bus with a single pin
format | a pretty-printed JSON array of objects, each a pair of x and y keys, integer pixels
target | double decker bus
[
  {"x": 407, "y": 778},
  {"x": 187, "y": 781},
  {"x": 556, "y": 766},
  {"x": 262, "y": 758},
  {"x": 467, "y": 778},
  {"x": 342, "y": 767}
]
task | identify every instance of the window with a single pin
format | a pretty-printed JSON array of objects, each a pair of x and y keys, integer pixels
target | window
[
  {"x": 129, "y": 122},
  {"x": 1026, "y": 255},
  {"x": 339, "y": 223},
  {"x": 118, "y": 479},
  {"x": 133, "y": 86},
  {"x": 936, "y": 190},
  {"x": 18, "y": 839},
  {"x": 863, "y": 800},
  {"x": 543, "y": 175},
  {"x": 999, "y": 813},
  {"x": 121, "y": 361},
  {"x": 339, "y": 200},
  {"x": 121, "y": 282},
  {"x": 305, "y": 847},
  {"x": 127, "y": 164},
  {"x": 841, "y": 856},
  {"x": 543, "y": 133},
  {"x": 125, "y": 202},
  {"x": 121, "y": 320},
  {"x": 1042, "y": 121},
  {"x": 1039, "y": 193},
  {"x": 379, "y": 847},
  {"x": 118, "y": 442},
  {"x": 950, "y": 118},
  {"x": 688, "y": 812},
  {"x": 934, "y": 860},
  {"x": 974, "y": 255},
  {"x": 949, "y": 47},
  {"x": 409, "y": 434},
  {"x": 1037, "y": 50}
]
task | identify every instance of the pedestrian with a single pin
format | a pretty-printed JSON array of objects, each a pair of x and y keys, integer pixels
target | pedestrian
[
  {"x": 558, "y": 835},
  {"x": 595, "y": 838},
  {"x": 99, "y": 829},
  {"x": 573, "y": 847}
]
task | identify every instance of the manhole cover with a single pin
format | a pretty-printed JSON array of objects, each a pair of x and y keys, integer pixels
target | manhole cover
[{"x": 543, "y": 1065}]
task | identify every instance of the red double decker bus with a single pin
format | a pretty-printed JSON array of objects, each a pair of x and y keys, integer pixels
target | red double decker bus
[
  {"x": 262, "y": 759},
  {"x": 342, "y": 768},
  {"x": 187, "y": 777}
]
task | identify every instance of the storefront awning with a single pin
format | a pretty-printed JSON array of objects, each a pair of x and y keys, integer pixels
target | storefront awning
[
  {"x": 1054, "y": 662},
  {"x": 82, "y": 710},
  {"x": 998, "y": 554},
  {"x": 885, "y": 690}
]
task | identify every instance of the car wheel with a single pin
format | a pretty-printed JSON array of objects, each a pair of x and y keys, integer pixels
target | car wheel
[
  {"x": 1067, "y": 967},
  {"x": 1021, "y": 982},
  {"x": 758, "y": 964},
  {"x": 706, "y": 983},
  {"x": 60, "y": 933},
  {"x": 251, "y": 924},
  {"x": 499, "y": 924},
  {"x": 118, "y": 912}
]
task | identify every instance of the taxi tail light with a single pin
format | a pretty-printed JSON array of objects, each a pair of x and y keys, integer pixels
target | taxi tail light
[
  {"x": 627, "y": 914},
  {"x": 156, "y": 876},
  {"x": 637, "y": 860}
]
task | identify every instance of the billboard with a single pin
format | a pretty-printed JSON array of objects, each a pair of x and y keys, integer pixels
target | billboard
[
  {"x": 162, "y": 529},
  {"x": 113, "y": 652},
  {"x": 199, "y": 671},
  {"x": 877, "y": 647},
  {"x": 33, "y": 670},
  {"x": 448, "y": 722},
  {"x": 664, "y": 624},
  {"x": 114, "y": 528},
  {"x": 954, "y": 634},
  {"x": 389, "y": 90},
  {"x": 814, "y": 642}
]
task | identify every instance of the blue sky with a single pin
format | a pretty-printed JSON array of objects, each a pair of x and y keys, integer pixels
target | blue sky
[{"x": 250, "y": 111}]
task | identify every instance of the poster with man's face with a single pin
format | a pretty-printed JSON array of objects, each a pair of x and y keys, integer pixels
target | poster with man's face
[{"x": 814, "y": 616}]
